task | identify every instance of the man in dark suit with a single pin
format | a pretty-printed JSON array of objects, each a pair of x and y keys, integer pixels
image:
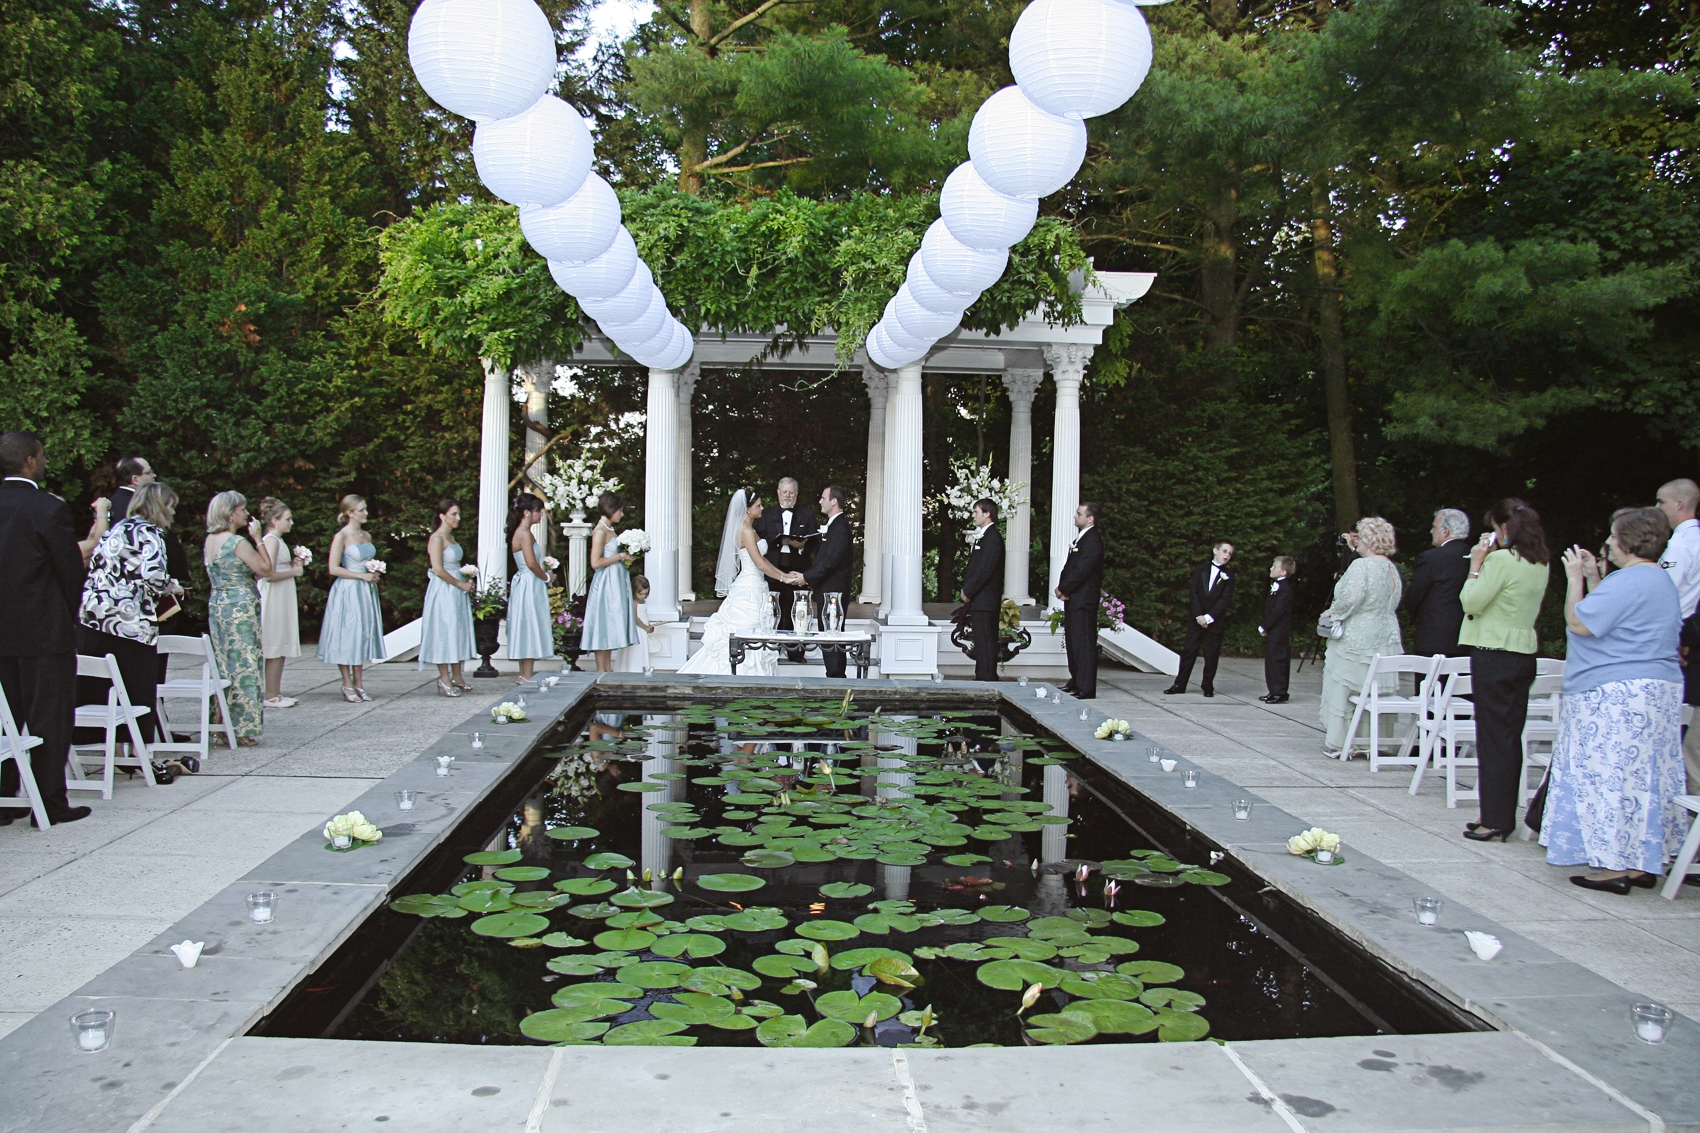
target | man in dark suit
[
  {"x": 1277, "y": 630},
  {"x": 982, "y": 589},
  {"x": 41, "y": 571},
  {"x": 132, "y": 473},
  {"x": 830, "y": 573},
  {"x": 1431, "y": 597},
  {"x": 790, "y": 532},
  {"x": 1080, "y": 586},
  {"x": 1212, "y": 593}
]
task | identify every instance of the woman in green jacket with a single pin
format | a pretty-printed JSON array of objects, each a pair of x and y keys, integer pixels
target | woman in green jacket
[{"x": 1502, "y": 596}]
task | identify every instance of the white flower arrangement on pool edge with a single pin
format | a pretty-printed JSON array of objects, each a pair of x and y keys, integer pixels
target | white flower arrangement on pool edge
[
  {"x": 354, "y": 826},
  {"x": 507, "y": 712},
  {"x": 634, "y": 542},
  {"x": 1118, "y": 729},
  {"x": 1312, "y": 840}
]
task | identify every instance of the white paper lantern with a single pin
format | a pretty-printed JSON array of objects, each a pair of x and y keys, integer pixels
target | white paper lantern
[
  {"x": 539, "y": 157},
  {"x": 580, "y": 228},
  {"x": 979, "y": 215},
  {"x": 605, "y": 276},
  {"x": 930, "y": 295},
  {"x": 643, "y": 328},
  {"x": 888, "y": 355},
  {"x": 955, "y": 266},
  {"x": 632, "y": 301},
  {"x": 1079, "y": 58},
  {"x": 655, "y": 346},
  {"x": 482, "y": 59},
  {"x": 904, "y": 342},
  {"x": 1020, "y": 150},
  {"x": 916, "y": 320},
  {"x": 679, "y": 355}
]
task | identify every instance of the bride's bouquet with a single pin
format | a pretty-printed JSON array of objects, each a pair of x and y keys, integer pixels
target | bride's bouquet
[{"x": 634, "y": 542}]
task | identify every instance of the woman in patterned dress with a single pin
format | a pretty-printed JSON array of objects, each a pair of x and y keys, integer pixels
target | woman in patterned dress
[
  {"x": 233, "y": 608},
  {"x": 1366, "y": 601}
]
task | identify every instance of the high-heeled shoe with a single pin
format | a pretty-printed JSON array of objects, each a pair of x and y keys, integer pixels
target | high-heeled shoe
[
  {"x": 447, "y": 689},
  {"x": 351, "y": 694},
  {"x": 364, "y": 695},
  {"x": 462, "y": 685},
  {"x": 1476, "y": 832}
]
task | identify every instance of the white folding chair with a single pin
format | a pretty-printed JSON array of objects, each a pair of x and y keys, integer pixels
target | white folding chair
[
  {"x": 1546, "y": 697},
  {"x": 16, "y": 745},
  {"x": 204, "y": 690},
  {"x": 116, "y": 713},
  {"x": 1377, "y": 701},
  {"x": 1690, "y": 848},
  {"x": 1549, "y": 666},
  {"x": 1454, "y": 727},
  {"x": 1430, "y": 723}
]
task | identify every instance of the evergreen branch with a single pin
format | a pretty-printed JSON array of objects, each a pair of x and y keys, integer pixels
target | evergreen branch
[
  {"x": 668, "y": 12},
  {"x": 755, "y": 13}
]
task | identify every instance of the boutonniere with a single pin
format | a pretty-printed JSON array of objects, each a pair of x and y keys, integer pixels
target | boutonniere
[{"x": 1274, "y": 587}]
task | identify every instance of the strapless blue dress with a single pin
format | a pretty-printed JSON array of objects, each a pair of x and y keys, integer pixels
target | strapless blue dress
[
  {"x": 445, "y": 631},
  {"x": 353, "y": 629},
  {"x": 529, "y": 637}
]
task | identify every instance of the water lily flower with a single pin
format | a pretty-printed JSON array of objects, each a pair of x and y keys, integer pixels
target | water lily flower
[
  {"x": 1029, "y": 998},
  {"x": 872, "y": 1019},
  {"x": 678, "y": 874},
  {"x": 647, "y": 876},
  {"x": 1082, "y": 873}
]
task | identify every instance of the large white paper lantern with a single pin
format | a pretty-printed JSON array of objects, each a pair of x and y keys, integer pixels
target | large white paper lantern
[
  {"x": 902, "y": 340},
  {"x": 1079, "y": 58},
  {"x": 679, "y": 354},
  {"x": 580, "y": 228},
  {"x": 632, "y": 301},
  {"x": 888, "y": 354},
  {"x": 930, "y": 295},
  {"x": 1020, "y": 150},
  {"x": 979, "y": 215},
  {"x": 955, "y": 266},
  {"x": 482, "y": 59},
  {"x": 539, "y": 157},
  {"x": 605, "y": 276},
  {"x": 916, "y": 320},
  {"x": 639, "y": 330}
]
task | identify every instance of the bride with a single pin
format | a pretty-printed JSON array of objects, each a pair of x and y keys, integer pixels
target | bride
[{"x": 738, "y": 580}]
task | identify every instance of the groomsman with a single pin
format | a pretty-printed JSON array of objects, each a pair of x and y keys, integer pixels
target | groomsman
[
  {"x": 982, "y": 589},
  {"x": 830, "y": 573},
  {"x": 788, "y": 530},
  {"x": 1277, "y": 629},
  {"x": 1080, "y": 587},
  {"x": 1212, "y": 594},
  {"x": 42, "y": 569}
]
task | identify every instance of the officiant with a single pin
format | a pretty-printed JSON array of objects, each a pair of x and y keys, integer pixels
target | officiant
[{"x": 792, "y": 534}]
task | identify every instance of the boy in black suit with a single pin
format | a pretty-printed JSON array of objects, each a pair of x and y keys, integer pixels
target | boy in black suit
[
  {"x": 830, "y": 573},
  {"x": 1080, "y": 586},
  {"x": 982, "y": 589},
  {"x": 1277, "y": 627},
  {"x": 1211, "y": 595}
]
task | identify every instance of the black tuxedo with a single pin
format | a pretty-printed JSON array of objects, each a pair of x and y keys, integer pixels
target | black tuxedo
[
  {"x": 1432, "y": 598},
  {"x": 830, "y": 574},
  {"x": 1203, "y": 599},
  {"x": 41, "y": 571},
  {"x": 771, "y": 526},
  {"x": 982, "y": 585},
  {"x": 1082, "y": 581},
  {"x": 1277, "y": 627}
]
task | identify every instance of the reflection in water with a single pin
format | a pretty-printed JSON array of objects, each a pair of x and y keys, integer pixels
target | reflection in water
[
  {"x": 1053, "y": 840},
  {"x": 662, "y": 745},
  {"x": 896, "y": 878}
]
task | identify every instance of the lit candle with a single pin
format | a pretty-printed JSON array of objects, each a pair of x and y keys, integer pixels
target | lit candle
[
  {"x": 1242, "y": 809},
  {"x": 1153, "y": 754},
  {"x": 1323, "y": 857},
  {"x": 404, "y": 799},
  {"x": 92, "y": 1038},
  {"x": 1192, "y": 778},
  {"x": 1652, "y": 1021},
  {"x": 341, "y": 841},
  {"x": 260, "y": 907},
  {"x": 1085, "y": 712},
  {"x": 1022, "y": 680},
  {"x": 1428, "y": 910}
]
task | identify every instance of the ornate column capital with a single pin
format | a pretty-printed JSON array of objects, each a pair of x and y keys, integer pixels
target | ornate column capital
[
  {"x": 877, "y": 382},
  {"x": 1022, "y": 384},
  {"x": 686, "y": 382},
  {"x": 1068, "y": 361}
]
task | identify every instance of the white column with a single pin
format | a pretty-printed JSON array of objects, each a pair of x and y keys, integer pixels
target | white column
[
  {"x": 903, "y": 489},
  {"x": 873, "y": 498},
  {"x": 661, "y": 495},
  {"x": 1022, "y": 384},
  {"x": 1068, "y": 367},
  {"x": 537, "y": 376},
  {"x": 890, "y": 453},
  {"x": 578, "y": 553},
  {"x": 687, "y": 384},
  {"x": 493, "y": 474}
]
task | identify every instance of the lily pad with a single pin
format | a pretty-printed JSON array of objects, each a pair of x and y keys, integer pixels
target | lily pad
[
  {"x": 588, "y": 1008},
  {"x": 523, "y": 873},
  {"x": 600, "y": 911},
  {"x": 793, "y": 1031},
  {"x": 586, "y": 886},
  {"x": 1092, "y": 918},
  {"x": 1198, "y": 877},
  {"x": 492, "y": 857},
  {"x": 656, "y": 975},
  {"x": 736, "y": 1023},
  {"x": 649, "y": 1032},
  {"x": 1174, "y": 998},
  {"x": 781, "y": 966},
  {"x": 695, "y": 945},
  {"x": 965, "y": 859},
  {"x": 643, "y": 788},
  {"x": 755, "y": 920},
  {"x": 573, "y": 966},
  {"x": 1024, "y": 947},
  {"x": 1107, "y": 985},
  {"x": 559, "y": 1026},
  {"x": 562, "y": 940},
  {"x": 1139, "y": 918},
  {"x": 596, "y": 992},
  {"x": 851, "y": 1008},
  {"x": 854, "y": 958},
  {"x": 625, "y": 940},
  {"x": 882, "y": 923},
  {"x": 729, "y": 977},
  {"x": 1016, "y": 975},
  {"x": 891, "y": 970},
  {"x": 635, "y": 898},
  {"x": 612, "y": 959},
  {"x": 845, "y": 889},
  {"x": 1061, "y": 1030},
  {"x": 572, "y": 833},
  {"x": 693, "y": 1009},
  {"x": 768, "y": 859},
  {"x": 606, "y": 861},
  {"x": 1114, "y": 1016},
  {"x": 487, "y": 901},
  {"x": 730, "y": 882},
  {"x": 510, "y": 925},
  {"x": 428, "y": 905},
  {"x": 1180, "y": 1027},
  {"x": 1151, "y": 971},
  {"x": 466, "y": 887},
  {"x": 1004, "y": 913},
  {"x": 828, "y": 930},
  {"x": 709, "y": 922},
  {"x": 539, "y": 900},
  {"x": 638, "y": 918}
]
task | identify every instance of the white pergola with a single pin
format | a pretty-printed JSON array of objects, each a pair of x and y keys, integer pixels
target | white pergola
[{"x": 891, "y": 535}]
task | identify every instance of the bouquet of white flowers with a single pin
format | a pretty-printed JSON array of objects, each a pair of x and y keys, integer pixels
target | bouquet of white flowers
[
  {"x": 469, "y": 570},
  {"x": 550, "y": 562},
  {"x": 353, "y": 826},
  {"x": 507, "y": 712},
  {"x": 575, "y": 485},
  {"x": 975, "y": 482},
  {"x": 377, "y": 566},
  {"x": 303, "y": 555},
  {"x": 634, "y": 542}
]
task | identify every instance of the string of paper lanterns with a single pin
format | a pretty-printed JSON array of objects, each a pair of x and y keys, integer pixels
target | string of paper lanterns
[
  {"x": 1072, "y": 60},
  {"x": 493, "y": 61}
]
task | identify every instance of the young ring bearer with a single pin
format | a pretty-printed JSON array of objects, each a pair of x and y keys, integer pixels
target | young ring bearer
[{"x": 1277, "y": 627}]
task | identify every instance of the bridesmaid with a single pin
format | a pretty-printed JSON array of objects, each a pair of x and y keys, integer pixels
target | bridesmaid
[
  {"x": 353, "y": 630},
  {"x": 530, "y": 638},
  {"x": 609, "y": 622},
  {"x": 446, "y": 630},
  {"x": 280, "y": 627},
  {"x": 233, "y": 608}
]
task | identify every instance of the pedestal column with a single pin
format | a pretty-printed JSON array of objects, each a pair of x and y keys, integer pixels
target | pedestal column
[
  {"x": 1068, "y": 367},
  {"x": 890, "y": 453},
  {"x": 687, "y": 384},
  {"x": 661, "y": 495},
  {"x": 873, "y": 498},
  {"x": 903, "y": 488},
  {"x": 493, "y": 475},
  {"x": 1021, "y": 384},
  {"x": 577, "y": 532}
]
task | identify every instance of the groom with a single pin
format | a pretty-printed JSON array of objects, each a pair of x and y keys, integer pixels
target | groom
[{"x": 830, "y": 573}]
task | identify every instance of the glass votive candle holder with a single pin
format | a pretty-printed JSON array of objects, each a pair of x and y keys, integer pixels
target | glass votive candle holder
[
  {"x": 1022, "y": 680},
  {"x": 1056, "y": 696},
  {"x": 1242, "y": 809},
  {"x": 404, "y": 800},
  {"x": 443, "y": 763},
  {"x": 519, "y": 701},
  {"x": 1652, "y": 1021},
  {"x": 938, "y": 678},
  {"x": 341, "y": 841},
  {"x": 261, "y": 907},
  {"x": 1153, "y": 754},
  {"x": 1192, "y": 778},
  {"x": 1086, "y": 713},
  {"x": 93, "y": 1029},
  {"x": 1324, "y": 857},
  {"x": 1428, "y": 910},
  {"x": 477, "y": 742}
]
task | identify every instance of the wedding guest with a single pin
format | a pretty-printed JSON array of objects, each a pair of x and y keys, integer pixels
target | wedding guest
[
  {"x": 41, "y": 573},
  {"x": 102, "y": 522},
  {"x": 1277, "y": 630},
  {"x": 608, "y": 618},
  {"x": 445, "y": 633},
  {"x": 1617, "y": 763},
  {"x": 830, "y": 572},
  {"x": 1208, "y": 599},
  {"x": 529, "y": 637},
  {"x": 280, "y": 627},
  {"x": 1080, "y": 586},
  {"x": 1431, "y": 598},
  {"x": 132, "y": 472},
  {"x": 634, "y": 658},
  {"x": 233, "y": 608},
  {"x": 1681, "y": 555},
  {"x": 1365, "y": 600},
  {"x": 982, "y": 588},
  {"x": 352, "y": 634}
]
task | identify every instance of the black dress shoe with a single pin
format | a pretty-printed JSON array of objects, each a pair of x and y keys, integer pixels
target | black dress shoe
[
  {"x": 1282, "y": 699},
  {"x": 69, "y": 814},
  {"x": 1476, "y": 832},
  {"x": 1172, "y": 690},
  {"x": 1208, "y": 691},
  {"x": 1618, "y": 885}
]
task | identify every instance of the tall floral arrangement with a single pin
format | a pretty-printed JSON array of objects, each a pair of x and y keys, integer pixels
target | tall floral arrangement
[
  {"x": 971, "y": 482},
  {"x": 575, "y": 485}
]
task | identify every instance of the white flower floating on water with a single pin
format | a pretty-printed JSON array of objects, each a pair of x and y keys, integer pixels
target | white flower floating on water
[
  {"x": 635, "y": 541},
  {"x": 352, "y": 825},
  {"x": 377, "y": 566},
  {"x": 506, "y": 712},
  {"x": 1113, "y": 728},
  {"x": 1316, "y": 838}
]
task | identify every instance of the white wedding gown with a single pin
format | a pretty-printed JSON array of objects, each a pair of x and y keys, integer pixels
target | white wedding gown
[{"x": 744, "y": 610}]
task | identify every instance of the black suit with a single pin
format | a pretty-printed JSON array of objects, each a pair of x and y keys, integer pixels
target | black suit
[
  {"x": 1214, "y": 601},
  {"x": 41, "y": 573},
  {"x": 1082, "y": 583},
  {"x": 830, "y": 574},
  {"x": 1432, "y": 598},
  {"x": 1277, "y": 627},
  {"x": 983, "y": 587},
  {"x": 771, "y": 526}
]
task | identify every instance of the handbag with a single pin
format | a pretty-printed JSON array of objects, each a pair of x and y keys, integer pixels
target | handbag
[
  {"x": 1537, "y": 804},
  {"x": 1328, "y": 628}
]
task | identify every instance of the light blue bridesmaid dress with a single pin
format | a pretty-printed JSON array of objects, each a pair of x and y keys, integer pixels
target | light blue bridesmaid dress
[
  {"x": 445, "y": 631},
  {"x": 608, "y": 615},
  {"x": 353, "y": 629},
  {"x": 529, "y": 637}
]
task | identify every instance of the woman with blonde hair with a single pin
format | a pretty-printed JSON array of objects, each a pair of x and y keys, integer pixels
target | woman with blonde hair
[
  {"x": 1365, "y": 622},
  {"x": 353, "y": 631},
  {"x": 233, "y": 608},
  {"x": 280, "y": 627}
]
